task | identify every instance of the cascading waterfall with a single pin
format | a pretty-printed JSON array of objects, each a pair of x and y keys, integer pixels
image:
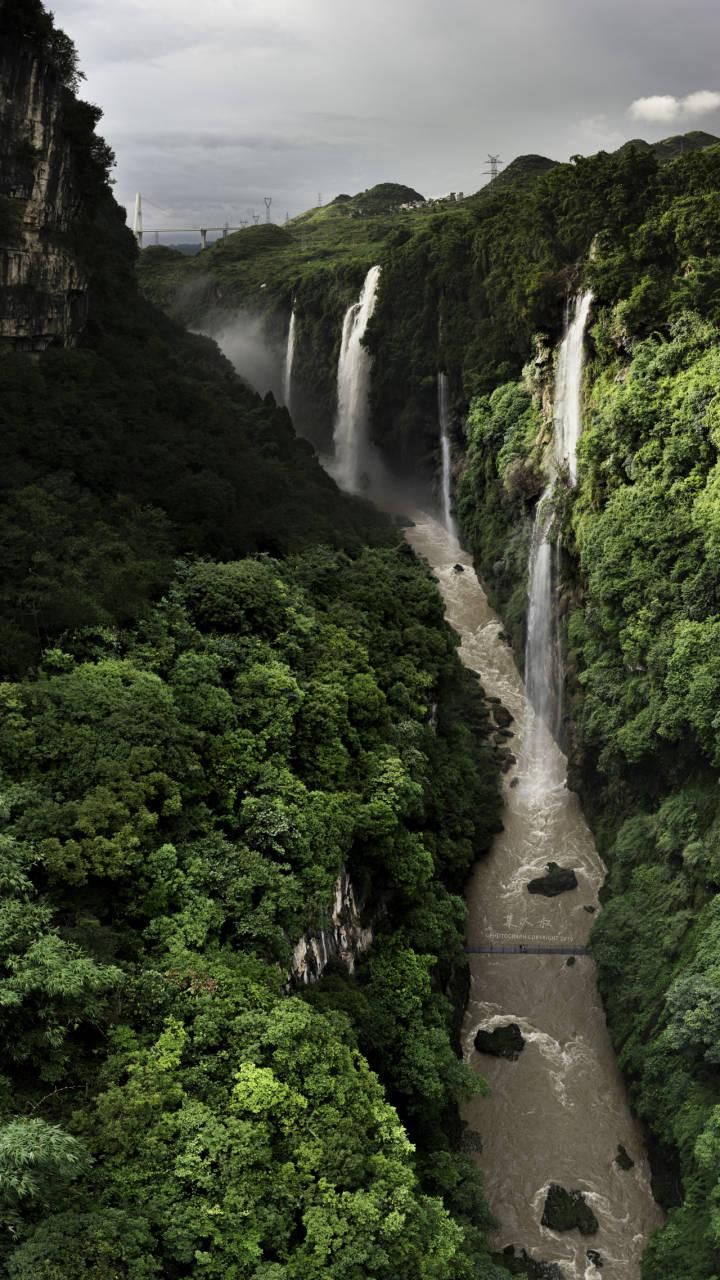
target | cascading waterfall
[
  {"x": 544, "y": 768},
  {"x": 445, "y": 454},
  {"x": 289, "y": 359},
  {"x": 355, "y": 459}
]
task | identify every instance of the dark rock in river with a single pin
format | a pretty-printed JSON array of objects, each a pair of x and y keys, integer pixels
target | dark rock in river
[
  {"x": 623, "y": 1160},
  {"x": 568, "y": 1211},
  {"x": 558, "y": 880},
  {"x": 570, "y": 962},
  {"x": 502, "y": 716},
  {"x": 515, "y": 782},
  {"x": 459, "y": 568},
  {"x": 508, "y": 760},
  {"x": 595, "y": 1257},
  {"x": 519, "y": 1263},
  {"x": 590, "y": 910},
  {"x": 503, "y": 1042}
]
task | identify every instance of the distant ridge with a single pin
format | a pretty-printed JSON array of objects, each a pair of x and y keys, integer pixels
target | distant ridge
[
  {"x": 525, "y": 170},
  {"x": 669, "y": 148}
]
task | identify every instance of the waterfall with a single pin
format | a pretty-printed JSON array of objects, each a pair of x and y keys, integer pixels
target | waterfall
[
  {"x": 543, "y": 654},
  {"x": 446, "y": 458},
  {"x": 289, "y": 358},
  {"x": 354, "y": 455}
]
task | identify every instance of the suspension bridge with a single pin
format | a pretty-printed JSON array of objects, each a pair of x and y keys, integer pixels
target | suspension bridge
[{"x": 140, "y": 231}]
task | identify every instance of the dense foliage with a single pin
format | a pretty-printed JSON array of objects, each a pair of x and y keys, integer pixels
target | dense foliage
[
  {"x": 223, "y": 683},
  {"x": 180, "y": 797}
]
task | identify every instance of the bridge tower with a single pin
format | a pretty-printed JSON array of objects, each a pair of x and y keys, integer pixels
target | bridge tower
[{"x": 137, "y": 220}]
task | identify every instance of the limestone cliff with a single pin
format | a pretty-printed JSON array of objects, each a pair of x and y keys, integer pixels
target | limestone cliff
[{"x": 43, "y": 287}]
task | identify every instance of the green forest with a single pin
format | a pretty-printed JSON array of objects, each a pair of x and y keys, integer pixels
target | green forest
[
  {"x": 218, "y": 675},
  {"x": 225, "y": 684}
]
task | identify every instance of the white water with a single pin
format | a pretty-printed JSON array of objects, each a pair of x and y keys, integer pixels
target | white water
[
  {"x": 558, "y": 1113},
  {"x": 289, "y": 359},
  {"x": 446, "y": 457},
  {"x": 544, "y": 768},
  {"x": 355, "y": 461}
]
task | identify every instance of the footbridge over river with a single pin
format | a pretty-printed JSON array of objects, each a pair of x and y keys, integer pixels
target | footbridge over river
[{"x": 529, "y": 949}]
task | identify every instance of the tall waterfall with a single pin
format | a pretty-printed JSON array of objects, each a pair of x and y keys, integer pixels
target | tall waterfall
[
  {"x": 543, "y": 654},
  {"x": 289, "y": 358},
  {"x": 446, "y": 458},
  {"x": 354, "y": 455}
]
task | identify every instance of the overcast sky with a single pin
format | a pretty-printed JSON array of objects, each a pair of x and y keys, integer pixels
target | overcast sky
[{"x": 212, "y": 104}]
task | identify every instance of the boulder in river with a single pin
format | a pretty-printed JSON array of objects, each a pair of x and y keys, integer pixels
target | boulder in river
[
  {"x": 519, "y": 1263},
  {"x": 623, "y": 1160},
  {"x": 459, "y": 568},
  {"x": 568, "y": 1211},
  {"x": 558, "y": 880},
  {"x": 595, "y": 1257},
  {"x": 502, "y": 716},
  {"x": 503, "y": 1042}
]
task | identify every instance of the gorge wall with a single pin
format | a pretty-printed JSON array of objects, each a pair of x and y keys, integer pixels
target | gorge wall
[{"x": 43, "y": 283}]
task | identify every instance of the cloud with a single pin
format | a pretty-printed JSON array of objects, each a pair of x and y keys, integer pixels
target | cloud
[
  {"x": 701, "y": 103},
  {"x": 663, "y": 108}
]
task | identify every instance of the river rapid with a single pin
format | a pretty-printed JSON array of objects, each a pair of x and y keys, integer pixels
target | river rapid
[{"x": 558, "y": 1113}]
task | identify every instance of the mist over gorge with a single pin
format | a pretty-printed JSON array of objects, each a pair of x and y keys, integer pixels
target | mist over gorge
[{"x": 359, "y": 737}]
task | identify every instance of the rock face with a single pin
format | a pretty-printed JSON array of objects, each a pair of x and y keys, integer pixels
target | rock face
[
  {"x": 43, "y": 290},
  {"x": 343, "y": 939},
  {"x": 568, "y": 1211},
  {"x": 558, "y": 880}
]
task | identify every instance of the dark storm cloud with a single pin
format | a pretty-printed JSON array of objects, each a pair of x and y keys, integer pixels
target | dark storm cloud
[{"x": 210, "y": 106}]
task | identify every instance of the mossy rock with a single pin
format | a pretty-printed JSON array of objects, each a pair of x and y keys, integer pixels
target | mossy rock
[
  {"x": 568, "y": 1211},
  {"x": 503, "y": 1042},
  {"x": 558, "y": 880}
]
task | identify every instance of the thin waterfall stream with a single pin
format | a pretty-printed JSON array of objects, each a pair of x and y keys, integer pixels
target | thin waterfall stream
[
  {"x": 445, "y": 420},
  {"x": 543, "y": 769},
  {"x": 289, "y": 361},
  {"x": 356, "y": 463}
]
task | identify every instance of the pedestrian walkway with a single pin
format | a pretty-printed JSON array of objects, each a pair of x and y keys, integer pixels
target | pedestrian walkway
[{"x": 529, "y": 949}]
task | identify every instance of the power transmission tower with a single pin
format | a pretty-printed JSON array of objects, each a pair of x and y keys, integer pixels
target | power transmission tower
[
  {"x": 319, "y": 199},
  {"x": 494, "y": 163},
  {"x": 268, "y": 202},
  {"x": 255, "y": 217}
]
